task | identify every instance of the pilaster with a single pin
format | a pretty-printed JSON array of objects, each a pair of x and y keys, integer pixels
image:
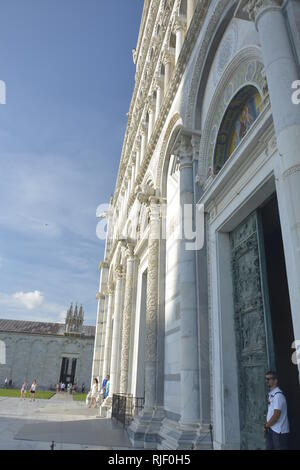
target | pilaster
[{"x": 127, "y": 314}]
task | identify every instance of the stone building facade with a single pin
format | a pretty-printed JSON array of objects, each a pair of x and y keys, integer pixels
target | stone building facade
[
  {"x": 47, "y": 352},
  {"x": 211, "y": 126}
]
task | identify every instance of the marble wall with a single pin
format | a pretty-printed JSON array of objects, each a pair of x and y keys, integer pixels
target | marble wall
[{"x": 39, "y": 357}]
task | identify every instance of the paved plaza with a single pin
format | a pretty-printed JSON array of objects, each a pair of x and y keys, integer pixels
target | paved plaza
[{"x": 26, "y": 425}]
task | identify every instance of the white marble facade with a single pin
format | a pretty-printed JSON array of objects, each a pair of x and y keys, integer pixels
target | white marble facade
[{"x": 165, "y": 328}]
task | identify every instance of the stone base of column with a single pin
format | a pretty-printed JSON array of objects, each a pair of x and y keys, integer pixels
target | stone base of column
[
  {"x": 175, "y": 436},
  {"x": 105, "y": 408},
  {"x": 144, "y": 430}
]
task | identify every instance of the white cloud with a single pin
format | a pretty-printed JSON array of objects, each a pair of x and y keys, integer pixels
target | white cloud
[
  {"x": 31, "y": 300},
  {"x": 12, "y": 307}
]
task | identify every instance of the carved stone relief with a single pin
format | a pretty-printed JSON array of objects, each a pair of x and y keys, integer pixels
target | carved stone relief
[{"x": 250, "y": 332}]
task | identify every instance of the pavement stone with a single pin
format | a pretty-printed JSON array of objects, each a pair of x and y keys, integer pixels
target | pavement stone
[{"x": 26, "y": 425}]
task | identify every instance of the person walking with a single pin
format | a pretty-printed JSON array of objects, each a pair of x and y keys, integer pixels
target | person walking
[
  {"x": 276, "y": 429},
  {"x": 5, "y": 382},
  {"x": 94, "y": 392},
  {"x": 33, "y": 390},
  {"x": 23, "y": 391}
]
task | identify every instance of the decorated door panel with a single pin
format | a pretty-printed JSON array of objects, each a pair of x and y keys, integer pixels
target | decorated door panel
[{"x": 250, "y": 330}]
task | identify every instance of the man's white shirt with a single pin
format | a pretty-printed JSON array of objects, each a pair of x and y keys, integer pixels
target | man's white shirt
[{"x": 277, "y": 401}]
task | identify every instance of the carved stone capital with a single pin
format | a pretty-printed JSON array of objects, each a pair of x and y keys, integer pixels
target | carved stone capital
[
  {"x": 158, "y": 81},
  {"x": 100, "y": 296},
  {"x": 255, "y": 8},
  {"x": 133, "y": 159},
  {"x": 184, "y": 151},
  {"x": 143, "y": 127},
  {"x": 179, "y": 23},
  {"x": 111, "y": 290},
  {"x": 130, "y": 250},
  {"x": 128, "y": 175},
  {"x": 103, "y": 265},
  {"x": 168, "y": 55},
  {"x": 119, "y": 271},
  {"x": 143, "y": 193},
  {"x": 138, "y": 143},
  {"x": 151, "y": 105}
]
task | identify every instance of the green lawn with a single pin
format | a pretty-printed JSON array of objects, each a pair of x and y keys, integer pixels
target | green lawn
[
  {"x": 79, "y": 396},
  {"x": 15, "y": 393}
]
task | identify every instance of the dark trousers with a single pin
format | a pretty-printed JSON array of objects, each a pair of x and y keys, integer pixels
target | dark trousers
[{"x": 276, "y": 441}]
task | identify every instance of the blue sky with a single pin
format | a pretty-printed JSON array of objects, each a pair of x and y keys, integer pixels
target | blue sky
[{"x": 69, "y": 76}]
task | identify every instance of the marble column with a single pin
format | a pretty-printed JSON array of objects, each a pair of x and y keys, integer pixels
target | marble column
[
  {"x": 191, "y": 5},
  {"x": 159, "y": 95},
  {"x": 127, "y": 315},
  {"x": 179, "y": 30},
  {"x": 133, "y": 172},
  {"x": 116, "y": 330},
  {"x": 98, "y": 336},
  {"x": 151, "y": 112},
  {"x": 189, "y": 367},
  {"x": 152, "y": 304},
  {"x": 168, "y": 58},
  {"x": 108, "y": 332},
  {"x": 138, "y": 155},
  {"x": 143, "y": 141},
  {"x": 281, "y": 71},
  {"x": 103, "y": 335}
]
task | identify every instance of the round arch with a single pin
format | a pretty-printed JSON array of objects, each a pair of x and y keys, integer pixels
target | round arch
[
  {"x": 241, "y": 113},
  {"x": 169, "y": 138},
  {"x": 220, "y": 18},
  {"x": 245, "y": 69}
]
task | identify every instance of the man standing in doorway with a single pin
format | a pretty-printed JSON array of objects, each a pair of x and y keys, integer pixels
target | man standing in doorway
[{"x": 276, "y": 429}]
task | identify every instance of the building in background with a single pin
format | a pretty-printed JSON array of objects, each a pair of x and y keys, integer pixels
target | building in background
[
  {"x": 211, "y": 123},
  {"x": 48, "y": 352}
]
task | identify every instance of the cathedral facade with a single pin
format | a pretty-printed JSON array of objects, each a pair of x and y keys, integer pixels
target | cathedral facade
[{"x": 212, "y": 132}]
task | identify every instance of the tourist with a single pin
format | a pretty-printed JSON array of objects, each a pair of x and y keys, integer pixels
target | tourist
[
  {"x": 63, "y": 387},
  {"x": 23, "y": 390},
  {"x": 33, "y": 390},
  {"x": 83, "y": 388},
  {"x": 94, "y": 392},
  {"x": 107, "y": 386},
  {"x": 276, "y": 429},
  {"x": 103, "y": 388},
  {"x": 5, "y": 382}
]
